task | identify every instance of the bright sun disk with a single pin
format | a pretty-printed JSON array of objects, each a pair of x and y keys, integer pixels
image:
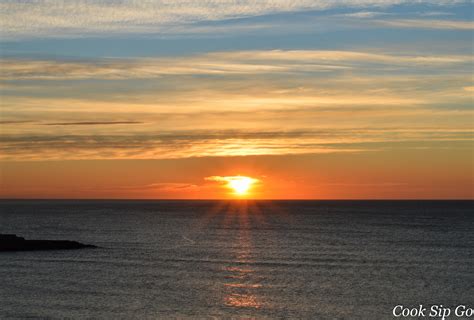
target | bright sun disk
[{"x": 241, "y": 185}]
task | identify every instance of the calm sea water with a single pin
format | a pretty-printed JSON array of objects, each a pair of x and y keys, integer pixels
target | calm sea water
[{"x": 212, "y": 259}]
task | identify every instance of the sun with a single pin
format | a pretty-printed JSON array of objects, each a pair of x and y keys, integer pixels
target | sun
[{"x": 240, "y": 185}]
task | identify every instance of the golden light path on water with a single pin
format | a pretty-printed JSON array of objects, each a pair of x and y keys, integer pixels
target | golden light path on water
[
  {"x": 241, "y": 291},
  {"x": 243, "y": 282}
]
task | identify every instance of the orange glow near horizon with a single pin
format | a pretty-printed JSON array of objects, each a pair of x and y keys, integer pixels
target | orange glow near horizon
[{"x": 388, "y": 174}]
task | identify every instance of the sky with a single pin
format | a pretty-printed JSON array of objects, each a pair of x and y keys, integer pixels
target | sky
[{"x": 343, "y": 99}]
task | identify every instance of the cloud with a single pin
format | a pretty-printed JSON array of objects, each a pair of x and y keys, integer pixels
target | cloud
[
  {"x": 364, "y": 14},
  {"x": 91, "y": 123},
  {"x": 239, "y": 183},
  {"x": 436, "y": 13},
  {"x": 220, "y": 64},
  {"x": 114, "y": 69},
  {"x": 15, "y": 121},
  {"x": 343, "y": 56},
  {"x": 427, "y": 24},
  {"x": 159, "y": 186},
  {"x": 230, "y": 178},
  {"x": 302, "y": 101},
  {"x": 56, "y": 18},
  {"x": 207, "y": 143}
]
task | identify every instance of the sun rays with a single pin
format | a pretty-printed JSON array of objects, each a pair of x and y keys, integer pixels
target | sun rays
[{"x": 240, "y": 185}]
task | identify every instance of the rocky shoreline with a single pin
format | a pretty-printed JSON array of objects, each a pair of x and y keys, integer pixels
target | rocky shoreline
[{"x": 11, "y": 242}]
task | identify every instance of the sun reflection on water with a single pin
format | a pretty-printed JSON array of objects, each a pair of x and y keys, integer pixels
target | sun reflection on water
[
  {"x": 242, "y": 289},
  {"x": 242, "y": 300}
]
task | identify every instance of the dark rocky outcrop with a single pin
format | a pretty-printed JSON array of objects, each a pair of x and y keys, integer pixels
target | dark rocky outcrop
[{"x": 11, "y": 242}]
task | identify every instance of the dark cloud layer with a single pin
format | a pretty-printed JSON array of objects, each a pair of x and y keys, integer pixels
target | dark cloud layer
[{"x": 91, "y": 123}]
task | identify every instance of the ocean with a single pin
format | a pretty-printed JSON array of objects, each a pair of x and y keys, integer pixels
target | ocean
[{"x": 237, "y": 259}]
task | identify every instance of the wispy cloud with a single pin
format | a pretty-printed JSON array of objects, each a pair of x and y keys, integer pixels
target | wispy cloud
[
  {"x": 91, "y": 123},
  {"x": 436, "y": 13},
  {"x": 427, "y": 24},
  {"x": 364, "y": 14},
  {"x": 188, "y": 144},
  {"x": 219, "y": 63},
  {"x": 469, "y": 88},
  {"x": 3, "y": 122},
  {"x": 223, "y": 96},
  {"x": 52, "y": 18},
  {"x": 229, "y": 178},
  {"x": 159, "y": 186}
]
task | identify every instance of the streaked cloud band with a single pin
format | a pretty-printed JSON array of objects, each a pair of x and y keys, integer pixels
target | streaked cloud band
[
  {"x": 219, "y": 63},
  {"x": 189, "y": 144},
  {"x": 58, "y": 18}
]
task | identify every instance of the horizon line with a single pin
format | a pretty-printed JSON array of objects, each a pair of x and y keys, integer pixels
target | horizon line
[{"x": 235, "y": 199}]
